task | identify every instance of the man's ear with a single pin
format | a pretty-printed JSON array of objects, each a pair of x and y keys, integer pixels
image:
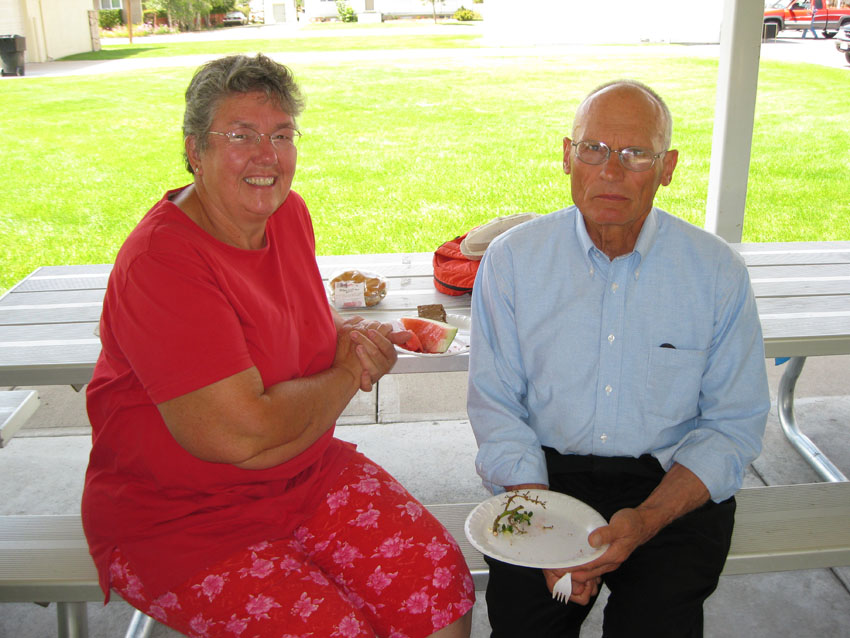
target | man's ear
[
  {"x": 671, "y": 157},
  {"x": 568, "y": 147}
]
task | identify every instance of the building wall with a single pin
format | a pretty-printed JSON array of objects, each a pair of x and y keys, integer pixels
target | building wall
[
  {"x": 277, "y": 11},
  {"x": 11, "y": 20},
  {"x": 52, "y": 28}
]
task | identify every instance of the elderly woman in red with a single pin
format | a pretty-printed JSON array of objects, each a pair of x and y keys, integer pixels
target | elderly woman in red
[{"x": 217, "y": 499}]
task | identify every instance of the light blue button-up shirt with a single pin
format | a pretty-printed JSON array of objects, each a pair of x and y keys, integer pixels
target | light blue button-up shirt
[{"x": 566, "y": 352}]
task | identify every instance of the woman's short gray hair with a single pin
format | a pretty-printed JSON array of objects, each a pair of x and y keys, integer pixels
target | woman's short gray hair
[{"x": 235, "y": 74}]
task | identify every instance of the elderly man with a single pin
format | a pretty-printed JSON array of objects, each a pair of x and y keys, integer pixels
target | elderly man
[{"x": 617, "y": 357}]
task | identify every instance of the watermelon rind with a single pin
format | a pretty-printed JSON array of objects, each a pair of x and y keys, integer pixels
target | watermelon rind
[{"x": 435, "y": 336}]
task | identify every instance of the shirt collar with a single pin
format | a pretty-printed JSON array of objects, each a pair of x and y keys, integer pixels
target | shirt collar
[
  {"x": 648, "y": 234},
  {"x": 645, "y": 240}
]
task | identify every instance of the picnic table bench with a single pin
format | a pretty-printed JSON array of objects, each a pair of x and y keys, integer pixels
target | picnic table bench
[{"x": 47, "y": 337}]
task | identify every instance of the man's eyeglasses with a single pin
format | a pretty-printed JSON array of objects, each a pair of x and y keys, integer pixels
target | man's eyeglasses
[
  {"x": 244, "y": 136},
  {"x": 632, "y": 158}
]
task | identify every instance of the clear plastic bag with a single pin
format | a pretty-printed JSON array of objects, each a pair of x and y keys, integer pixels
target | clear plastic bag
[{"x": 357, "y": 289}]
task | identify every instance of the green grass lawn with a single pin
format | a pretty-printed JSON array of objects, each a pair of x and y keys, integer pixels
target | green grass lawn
[
  {"x": 399, "y": 154},
  {"x": 350, "y": 42}
]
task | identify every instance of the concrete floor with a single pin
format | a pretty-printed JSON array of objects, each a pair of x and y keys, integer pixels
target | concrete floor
[{"x": 43, "y": 467}]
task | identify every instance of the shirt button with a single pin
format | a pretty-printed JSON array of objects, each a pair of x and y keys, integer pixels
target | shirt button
[
  {"x": 603, "y": 438},
  {"x": 608, "y": 389},
  {"x": 610, "y": 338},
  {"x": 614, "y": 287}
]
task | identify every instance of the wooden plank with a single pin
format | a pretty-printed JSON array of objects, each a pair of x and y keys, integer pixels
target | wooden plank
[
  {"x": 795, "y": 253},
  {"x": 16, "y": 406},
  {"x": 785, "y": 527},
  {"x": 52, "y": 297},
  {"x": 799, "y": 272},
  {"x": 805, "y": 326},
  {"x": 67, "y": 312},
  {"x": 64, "y": 272},
  {"x": 812, "y": 288},
  {"x": 800, "y": 280},
  {"x": 58, "y": 354},
  {"x": 70, "y": 282},
  {"x": 45, "y": 558},
  {"x": 812, "y": 347},
  {"x": 801, "y": 305}
]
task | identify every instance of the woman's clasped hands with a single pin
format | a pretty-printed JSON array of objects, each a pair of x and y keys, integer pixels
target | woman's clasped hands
[{"x": 366, "y": 349}]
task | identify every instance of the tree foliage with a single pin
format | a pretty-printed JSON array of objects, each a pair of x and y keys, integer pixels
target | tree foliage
[{"x": 188, "y": 14}]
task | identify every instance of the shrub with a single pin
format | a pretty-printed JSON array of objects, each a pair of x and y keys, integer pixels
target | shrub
[
  {"x": 109, "y": 18},
  {"x": 465, "y": 15},
  {"x": 346, "y": 13},
  {"x": 139, "y": 31}
]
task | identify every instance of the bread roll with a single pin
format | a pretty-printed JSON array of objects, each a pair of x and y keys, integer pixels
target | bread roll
[{"x": 374, "y": 286}]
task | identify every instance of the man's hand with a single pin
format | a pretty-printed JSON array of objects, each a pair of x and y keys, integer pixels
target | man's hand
[
  {"x": 626, "y": 531},
  {"x": 582, "y": 589},
  {"x": 679, "y": 492}
]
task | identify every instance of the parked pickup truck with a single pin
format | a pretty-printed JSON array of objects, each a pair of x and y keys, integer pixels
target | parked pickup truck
[{"x": 796, "y": 15}]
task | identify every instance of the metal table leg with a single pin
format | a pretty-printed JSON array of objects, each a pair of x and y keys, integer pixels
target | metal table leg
[
  {"x": 73, "y": 620},
  {"x": 788, "y": 420},
  {"x": 141, "y": 626}
]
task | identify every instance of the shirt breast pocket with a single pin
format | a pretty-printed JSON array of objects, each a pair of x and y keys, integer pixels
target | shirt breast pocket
[{"x": 673, "y": 383}]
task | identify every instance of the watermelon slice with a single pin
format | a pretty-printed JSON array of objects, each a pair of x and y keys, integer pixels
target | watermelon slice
[
  {"x": 413, "y": 344},
  {"x": 434, "y": 336}
]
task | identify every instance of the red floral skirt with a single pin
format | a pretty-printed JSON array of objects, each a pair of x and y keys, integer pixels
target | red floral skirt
[{"x": 372, "y": 561}]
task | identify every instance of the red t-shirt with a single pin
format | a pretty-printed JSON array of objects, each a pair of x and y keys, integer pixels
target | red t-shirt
[{"x": 183, "y": 310}]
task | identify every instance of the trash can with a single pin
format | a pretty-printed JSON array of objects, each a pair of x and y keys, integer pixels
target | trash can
[
  {"x": 769, "y": 31},
  {"x": 12, "y": 49}
]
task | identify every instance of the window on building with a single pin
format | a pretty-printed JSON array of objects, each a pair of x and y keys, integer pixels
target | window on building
[{"x": 111, "y": 4}]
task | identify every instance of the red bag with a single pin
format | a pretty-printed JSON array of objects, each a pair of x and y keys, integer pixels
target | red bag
[{"x": 454, "y": 274}]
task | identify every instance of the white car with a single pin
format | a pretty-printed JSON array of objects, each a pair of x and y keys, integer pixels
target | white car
[{"x": 235, "y": 17}]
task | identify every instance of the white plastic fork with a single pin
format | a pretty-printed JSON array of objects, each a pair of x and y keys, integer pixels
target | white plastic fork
[{"x": 563, "y": 588}]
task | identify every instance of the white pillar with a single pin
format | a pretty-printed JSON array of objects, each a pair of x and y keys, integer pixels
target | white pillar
[{"x": 740, "y": 48}]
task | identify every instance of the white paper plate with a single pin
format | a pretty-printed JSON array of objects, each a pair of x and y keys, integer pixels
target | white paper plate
[
  {"x": 458, "y": 346},
  {"x": 556, "y": 538}
]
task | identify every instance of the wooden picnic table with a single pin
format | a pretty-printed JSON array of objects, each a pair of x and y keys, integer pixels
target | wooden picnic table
[{"x": 47, "y": 321}]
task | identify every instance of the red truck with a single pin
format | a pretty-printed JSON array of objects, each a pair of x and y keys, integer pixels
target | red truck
[{"x": 796, "y": 15}]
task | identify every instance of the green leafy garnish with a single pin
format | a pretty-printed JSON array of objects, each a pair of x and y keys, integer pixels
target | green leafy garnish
[{"x": 515, "y": 519}]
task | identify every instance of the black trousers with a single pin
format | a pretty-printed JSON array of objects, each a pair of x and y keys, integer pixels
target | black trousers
[{"x": 658, "y": 592}]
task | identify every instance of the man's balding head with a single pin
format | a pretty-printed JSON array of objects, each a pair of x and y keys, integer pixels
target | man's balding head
[{"x": 626, "y": 89}]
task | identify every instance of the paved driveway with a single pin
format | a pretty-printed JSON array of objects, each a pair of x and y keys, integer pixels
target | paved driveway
[{"x": 789, "y": 48}]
